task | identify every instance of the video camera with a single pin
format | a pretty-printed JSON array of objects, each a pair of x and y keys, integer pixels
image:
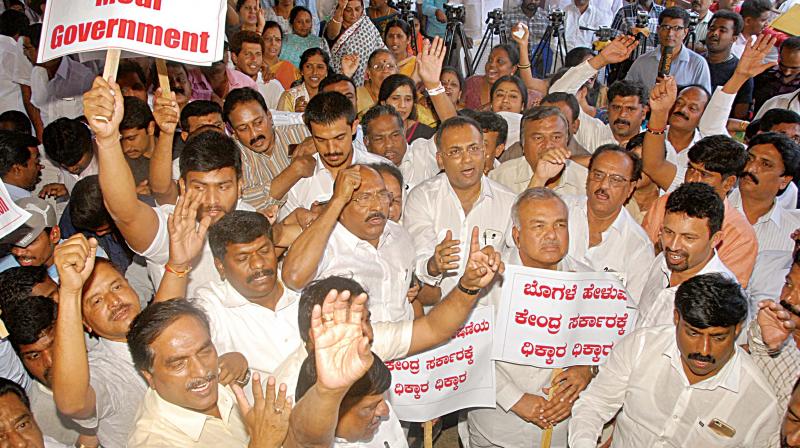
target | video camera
[
  {"x": 403, "y": 5},
  {"x": 495, "y": 14},
  {"x": 694, "y": 19},
  {"x": 642, "y": 19},
  {"x": 556, "y": 18},
  {"x": 454, "y": 13},
  {"x": 604, "y": 34}
]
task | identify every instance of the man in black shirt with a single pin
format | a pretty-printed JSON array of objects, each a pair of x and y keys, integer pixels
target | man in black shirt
[{"x": 723, "y": 30}]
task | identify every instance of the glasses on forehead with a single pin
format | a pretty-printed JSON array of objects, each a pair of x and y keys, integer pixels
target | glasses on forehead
[
  {"x": 614, "y": 179},
  {"x": 364, "y": 199},
  {"x": 454, "y": 153}
]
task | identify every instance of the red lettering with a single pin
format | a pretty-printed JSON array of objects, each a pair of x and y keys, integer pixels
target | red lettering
[
  {"x": 98, "y": 29},
  {"x": 172, "y": 38}
]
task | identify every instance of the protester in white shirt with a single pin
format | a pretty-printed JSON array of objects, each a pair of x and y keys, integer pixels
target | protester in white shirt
[
  {"x": 523, "y": 410},
  {"x": 689, "y": 234},
  {"x": 15, "y": 70},
  {"x": 602, "y": 233},
  {"x": 790, "y": 101},
  {"x": 99, "y": 389},
  {"x": 20, "y": 167},
  {"x": 441, "y": 212},
  {"x": 683, "y": 384},
  {"x": 354, "y": 236},
  {"x": 69, "y": 143},
  {"x": 581, "y": 14},
  {"x": 18, "y": 420}
]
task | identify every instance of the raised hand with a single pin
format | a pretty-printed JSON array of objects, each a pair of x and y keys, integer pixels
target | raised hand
[
  {"x": 616, "y": 51},
  {"x": 267, "y": 420},
  {"x": 482, "y": 264},
  {"x": 429, "y": 61},
  {"x": 752, "y": 61},
  {"x": 166, "y": 112},
  {"x": 232, "y": 367},
  {"x": 521, "y": 35},
  {"x": 663, "y": 95},
  {"x": 74, "y": 260},
  {"x": 341, "y": 351},
  {"x": 445, "y": 256},
  {"x": 350, "y": 64},
  {"x": 300, "y": 104},
  {"x": 775, "y": 322},
  {"x": 103, "y": 108},
  {"x": 186, "y": 236},
  {"x": 347, "y": 181},
  {"x": 549, "y": 165}
]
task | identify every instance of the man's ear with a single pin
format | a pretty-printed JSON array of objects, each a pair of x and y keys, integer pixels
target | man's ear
[
  {"x": 220, "y": 268},
  {"x": 676, "y": 317},
  {"x": 147, "y": 377},
  {"x": 515, "y": 235},
  {"x": 354, "y": 128},
  {"x": 55, "y": 235},
  {"x": 716, "y": 239},
  {"x": 728, "y": 183},
  {"x": 151, "y": 128},
  {"x": 498, "y": 150},
  {"x": 785, "y": 181}
]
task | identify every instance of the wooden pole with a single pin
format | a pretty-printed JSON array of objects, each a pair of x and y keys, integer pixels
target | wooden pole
[
  {"x": 111, "y": 65},
  {"x": 427, "y": 437},
  {"x": 547, "y": 434},
  {"x": 163, "y": 76}
]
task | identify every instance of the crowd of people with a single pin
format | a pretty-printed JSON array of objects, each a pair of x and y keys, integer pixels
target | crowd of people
[{"x": 231, "y": 261}]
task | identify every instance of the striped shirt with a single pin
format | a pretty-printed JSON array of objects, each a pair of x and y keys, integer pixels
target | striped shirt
[{"x": 774, "y": 228}]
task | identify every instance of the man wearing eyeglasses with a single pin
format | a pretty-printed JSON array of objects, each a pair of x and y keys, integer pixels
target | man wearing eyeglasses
[
  {"x": 602, "y": 233},
  {"x": 354, "y": 237},
  {"x": 687, "y": 66},
  {"x": 784, "y": 78}
]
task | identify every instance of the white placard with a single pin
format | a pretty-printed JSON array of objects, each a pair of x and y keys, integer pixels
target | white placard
[
  {"x": 559, "y": 319},
  {"x": 189, "y": 31},
  {"x": 11, "y": 215},
  {"x": 456, "y": 375}
]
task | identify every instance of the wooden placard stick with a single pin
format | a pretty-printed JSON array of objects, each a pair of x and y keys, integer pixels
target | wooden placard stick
[
  {"x": 163, "y": 76},
  {"x": 111, "y": 65},
  {"x": 547, "y": 434},
  {"x": 427, "y": 434}
]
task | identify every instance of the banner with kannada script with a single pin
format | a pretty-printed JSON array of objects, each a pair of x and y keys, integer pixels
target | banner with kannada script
[
  {"x": 453, "y": 376},
  {"x": 556, "y": 319}
]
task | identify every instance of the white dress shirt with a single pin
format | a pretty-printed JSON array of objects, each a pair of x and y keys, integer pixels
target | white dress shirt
[
  {"x": 789, "y": 101},
  {"x": 594, "y": 17},
  {"x": 71, "y": 78},
  {"x": 16, "y": 192},
  {"x": 644, "y": 377},
  {"x": 265, "y": 337},
  {"x": 433, "y": 208},
  {"x": 419, "y": 163},
  {"x": 679, "y": 159},
  {"x": 774, "y": 228},
  {"x": 319, "y": 187},
  {"x": 389, "y": 434},
  {"x": 516, "y": 174},
  {"x": 12, "y": 75},
  {"x": 658, "y": 298},
  {"x": 50, "y": 421},
  {"x": 385, "y": 271},
  {"x": 624, "y": 248},
  {"x": 69, "y": 180},
  {"x": 157, "y": 254},
  {"x": 769, "y": 275},
  {"x": 270, "y": 90}
]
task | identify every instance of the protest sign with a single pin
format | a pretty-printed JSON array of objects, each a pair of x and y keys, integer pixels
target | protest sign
[
  {"x": 555, "y": 319},
  {"x": 189, "y": 31},
  {"x": 11, "y": 215},
  {"x": 456, "y": 375}
]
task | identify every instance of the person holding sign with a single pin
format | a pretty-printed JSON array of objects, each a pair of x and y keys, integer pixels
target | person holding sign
[
  {"x": 523, "y": 410},
  {"x": 684, "y": 384}
]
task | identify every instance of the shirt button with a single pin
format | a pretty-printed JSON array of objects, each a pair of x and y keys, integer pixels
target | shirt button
[{"x": 674, "y": 417}]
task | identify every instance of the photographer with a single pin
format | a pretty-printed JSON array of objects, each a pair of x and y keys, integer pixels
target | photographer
[
  {"x": 581, "y": 18},
  {"x": 627, "y": 21},
  {"x": 532, "y": 13}
]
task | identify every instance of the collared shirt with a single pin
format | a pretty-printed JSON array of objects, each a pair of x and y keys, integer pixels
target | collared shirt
[
  {"x": 50, "y": 421},
  {"x": 625, "y": 20},
  {"x": 157, "y": 254},
  {"x": 688, "y": 68},
  {"x": 161, "y": 424},
  {"x": 16, "y": 192},
  {"x": 419, "y": 162},
  {"x": 10, "y": 365},
  {"x": 271, "y": 91},
  {"x": 11, "y": 75},
  {"x": 624, "y": 247},
  {"x": 789, "y": 101},
  {"x": 702, "y": 27},
  {"x": 771, "y": 83},
  {"x": 644, "y": 377},
  {"x": 594, "y": 17},
  {"x": 516, "y": 175},
  {"x": 679, "y": 159},
  {"x": 62, "y": 95},
  {"x": 265, "y": 337},
  {"x": 319, "y": 187},
  {"x": 769, "y": 274},
  {"x": 433, "y": 208},
  {"x": 389, "y": 430},
  {"x": 658, "y": 297},
  {"x": 384, "y": 271},
  {"x": 774, "y": 228},
  {"x": 738, "y": 247},
  {"x": 118, "y": 389}
]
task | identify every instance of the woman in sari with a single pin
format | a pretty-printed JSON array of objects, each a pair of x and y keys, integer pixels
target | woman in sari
[
  {"x": 350, "y": 31},
  {"x": 381, "y": 13},
  {"x": 315, "y": 65},
  {"x": 301, "y": 38},
  {"x": 399, "y": 91},
  {"x": 380, "y": 65},
  {"x": 397, "y": 37},
  {"x": 509, "y": 95},
  {"x": 251, "y": 16},
  {"x": 275, "y": 68},
  {"x": 453, "y": 84}
]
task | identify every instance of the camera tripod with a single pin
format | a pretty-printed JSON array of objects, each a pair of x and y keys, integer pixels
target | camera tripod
[
  {"x": 496, "y": 27},
  {"x": 544, "y": 56},
  {"x": 411, "y": 19},
  {"x": 455, "y": 31},
  {"x": 691, "y": 39}
]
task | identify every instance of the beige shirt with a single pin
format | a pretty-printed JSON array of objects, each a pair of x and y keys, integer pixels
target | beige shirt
[
  {"x": 516, "y": 174},
  {"x": 164, "y": 424}
]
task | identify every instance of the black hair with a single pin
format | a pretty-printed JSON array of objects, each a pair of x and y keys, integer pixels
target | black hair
[
  {"x": 576, "y": 56},
  {"x": 239, "y": 96},
  {"x": 34, "y": 33},
  {"x": 27, "y": 320},
  {"x": 316, "y": 51},
  {"x": 719, "y": 154},
  {"x": 13, "y": 23},
  {"x": 389, "y": 169},
  {"x": 335, "y": 78},
  {"x": 456, "y": 122},
  {"x": 240, "y": 3},
  {"x": 314, "y": 294},
  {"x": 237, "y": 227},
  {"x": 327, "y": 108},
  {"x": 394, "y": 82},
  {"x": 511, "y": 49},
  {"x": 752, "y": 129},
  {"x": 87, "y": 211},
  {"x": 774, "y": 117},
  {"x": 9, "y": 387},
  {"x": 791, "y": 44},
  {"x": 636, "y": 174},
  {"x": 209, "y": 151},
  {"x": 127, "y": 66},
  {"x": 674, "y": 12},
  {"x": 271, "y": 24},
  {"x": 695, "y": 86},
  {"x": 489, "y": 121},
  {"x": 567, "y": 98},
  {"x": 17, "y": 283},
  {"x": 245, "y": 37},
  {"x": 711, "y": 300},
  {"x": 786, "y": 147},
  {"x": 14, "y": 150},
  {"x": 66, "y": 141},
  {"x": 724, "y": 14},
  {"x": 754, "y": 8},
  {"x": 516, "y": 81},
  {"x": 450, "y": 69},
  {"x": 377, "y": 111},
  {"x": 537, "y": 113},
  {"x": 698, "y": 200},
  {"x": 635, "y": 142},
  {"x": 18, "y": 120},
  {"x": 296, "y": 11},
  {"x": 200, "y": 108},
  {"x": 152, "y": 321},
  {"x": 137, "y": 114},
  {"x": 625, "y": 88},
  {"x": 397, "y": 23}
]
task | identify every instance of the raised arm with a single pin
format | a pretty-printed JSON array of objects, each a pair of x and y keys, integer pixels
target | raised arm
[
  {"x": 429, "y": 65},
  {"x": 136, "y": 220},
  {"x": 73, "y": 395},
  {"x": 306, "y": 253},
  {"x": 524, "y": 71},
  {"x": 448, "y": 315},
  {"x": 617, "y": 51},
  {"x": 334, "y": 25},
  {"x": 301, "y": 166},
  {"x": 167, "y": 114},
  {"x": 654, "y": 161}
]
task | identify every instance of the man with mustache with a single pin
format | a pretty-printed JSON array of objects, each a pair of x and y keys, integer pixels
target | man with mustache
[
  {"x": 689, "y": 236},
  {"x": 541, "y": 236},
  {"x": 353, "y": 236},
  {"x": 20, "y": 167},
  {"x": 602, "y": 233},
  {"x": 18, "y": 424},
  {"x": 723, "y": 30},
  {"x": 683, "y": 384}
]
